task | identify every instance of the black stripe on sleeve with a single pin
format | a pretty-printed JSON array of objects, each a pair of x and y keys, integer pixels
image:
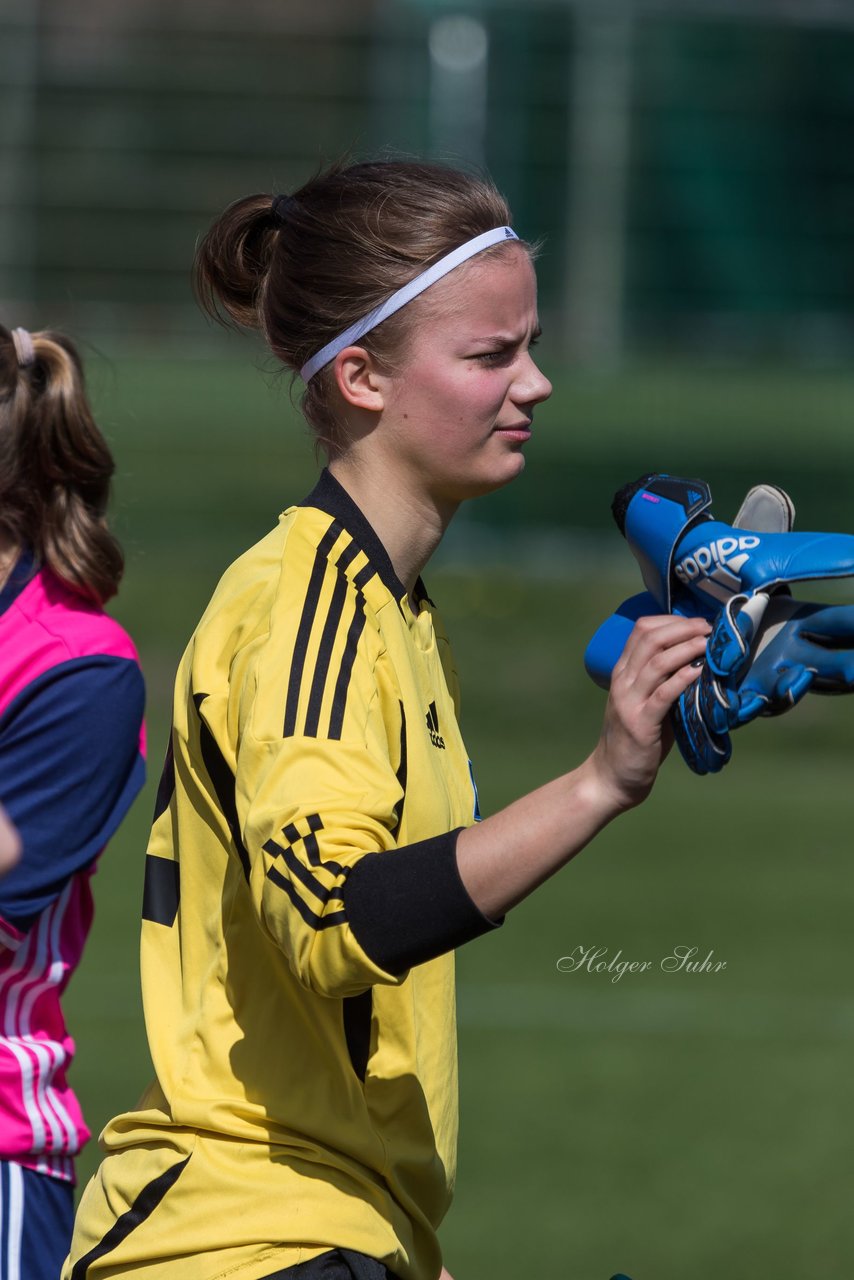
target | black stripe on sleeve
[
  {"x": 222, "y": 780},
  {"x": 312, "y": 848},
  {"x": 339, "y": 701},
  {"x": 363, "y": 577},
  {"x": 310, "y": 917},
  {"x": 328, "y": 495},
  {"x": 324, "y": 654},
  {"x": 162, "y": 893},
  {"x": 401, "y": 774},
  {"x": 166, "y": 785},
  {"x": 357, "y": 1013},
  {"x": 321, "y": 891},
  {"x": 143, "y": 1207},
  {"x": 301, "y": 645},
  {"x": 409, "y": 905},
  {"x": 314, "y": 823},
  {"x": 348, "y": 555},
  {"x": 306, "y": 622}
]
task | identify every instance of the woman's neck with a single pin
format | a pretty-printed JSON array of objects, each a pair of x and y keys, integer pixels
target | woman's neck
[{"x": 408, "y": 524}]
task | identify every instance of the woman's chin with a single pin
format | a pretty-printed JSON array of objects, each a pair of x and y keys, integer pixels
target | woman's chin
[{"x": 496, "y": 478}]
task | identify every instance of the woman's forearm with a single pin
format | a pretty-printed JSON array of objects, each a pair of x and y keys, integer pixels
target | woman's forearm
[{"x": 504, "y": 858}]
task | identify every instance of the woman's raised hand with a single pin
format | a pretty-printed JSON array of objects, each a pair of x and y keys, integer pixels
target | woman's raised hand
[{"x": 654, "y": 669}]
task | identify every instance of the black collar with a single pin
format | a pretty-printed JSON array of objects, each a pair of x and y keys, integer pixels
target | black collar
[
  {"x": 330, "y": 496},
  {"x": 22, "y": 573}
]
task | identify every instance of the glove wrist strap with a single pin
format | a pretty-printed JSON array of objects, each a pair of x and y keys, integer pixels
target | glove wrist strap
[{"x": 656, "y": 519}]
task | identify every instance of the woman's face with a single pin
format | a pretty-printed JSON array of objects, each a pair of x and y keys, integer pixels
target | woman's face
[{"x": 459, "y": 411}]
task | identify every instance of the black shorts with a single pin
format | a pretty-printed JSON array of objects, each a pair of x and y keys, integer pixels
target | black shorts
[{"x": 337, "y": 1264}]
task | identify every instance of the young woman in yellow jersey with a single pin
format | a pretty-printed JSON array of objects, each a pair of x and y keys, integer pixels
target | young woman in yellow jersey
[{"x": 316, "y": 856}]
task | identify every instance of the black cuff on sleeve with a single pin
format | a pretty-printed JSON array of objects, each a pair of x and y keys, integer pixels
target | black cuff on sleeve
[{"x": 409, "y": 905}]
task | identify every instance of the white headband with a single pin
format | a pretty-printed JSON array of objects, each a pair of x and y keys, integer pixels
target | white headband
[
  {"x": 402, "y": 296},
  {"x": 24, "y": 348}
]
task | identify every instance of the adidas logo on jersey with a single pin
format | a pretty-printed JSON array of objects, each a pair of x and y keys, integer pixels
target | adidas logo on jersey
[
  {"x": 719, "y": 564},
  {"x": 433, "y": 725}
]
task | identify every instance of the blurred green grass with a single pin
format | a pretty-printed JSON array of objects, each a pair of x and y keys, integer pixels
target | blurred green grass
[{"x": 669, "y": 1124}]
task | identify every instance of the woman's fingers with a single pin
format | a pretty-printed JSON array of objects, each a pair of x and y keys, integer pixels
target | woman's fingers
[
  {"x": 659, "y": 662},
  {"x": 661, "y": 632},
  {"x": 658, "y": 650},
  {"x": 667, "y": 692}
]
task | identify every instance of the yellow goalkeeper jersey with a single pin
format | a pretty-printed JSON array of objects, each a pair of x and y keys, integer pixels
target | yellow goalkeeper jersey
[{"x": 302, "y": 903}]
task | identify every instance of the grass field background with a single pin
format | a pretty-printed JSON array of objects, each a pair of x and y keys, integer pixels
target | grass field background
[{"x": 672, "y": 1125}]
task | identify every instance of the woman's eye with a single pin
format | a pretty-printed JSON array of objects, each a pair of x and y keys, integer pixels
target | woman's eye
[{"x": 503, "y": 355}]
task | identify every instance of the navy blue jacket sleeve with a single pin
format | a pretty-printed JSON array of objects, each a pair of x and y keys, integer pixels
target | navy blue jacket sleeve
[{"x": 70, "y": 766}]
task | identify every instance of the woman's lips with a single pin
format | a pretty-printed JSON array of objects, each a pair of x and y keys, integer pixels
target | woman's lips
[{"x": 521, "y": 431}]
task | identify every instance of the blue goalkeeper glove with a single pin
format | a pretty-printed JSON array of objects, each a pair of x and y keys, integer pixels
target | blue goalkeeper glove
[
  {"x": 765, "y": 508},
  {"x": 692, "y": 563},
  {"x": 764, "y": 653},
  {"x": 766, "y": 650}
]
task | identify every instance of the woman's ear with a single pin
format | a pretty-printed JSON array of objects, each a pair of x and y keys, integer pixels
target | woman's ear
[{"x": 359, "y": 381}]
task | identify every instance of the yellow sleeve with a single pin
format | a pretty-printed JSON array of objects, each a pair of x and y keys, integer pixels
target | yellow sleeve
[
  {"x": 316, "y": 786},
  {"x": 316, "y": 720}
]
